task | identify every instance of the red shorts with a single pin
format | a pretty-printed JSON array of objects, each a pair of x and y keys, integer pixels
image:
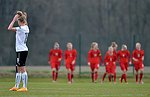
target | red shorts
[
  {"x": 94, "y": 66},
  {"x": 55, "y": 65},
  {"x": 138, "y": 66},
  {"x": 70, "y": 66},
  {"x": 124, "y": 66},
  {"x": 111, "y": 69}
]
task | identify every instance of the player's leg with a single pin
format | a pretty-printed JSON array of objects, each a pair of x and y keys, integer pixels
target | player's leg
[
  {"x": 92, "y": 72},
  {"x": 22, "y": 68},
  {"x": 114, "y": 72},
  {"x": 68, "y": 72},
  {"x": 136, "y": 72},
  {"x": 96, "y": 72},
  {"x": 122, "y": 66},
  {"x": 104, "y": 75},
  {"x": 57, "y": 69},
  {"x": 72, "y": 72},
  {"x": 125, "y": 73},
  {"x": 141, "y": 73},
  {"x": 54, "y": 74},
  {"x": 18, "y": 74}
]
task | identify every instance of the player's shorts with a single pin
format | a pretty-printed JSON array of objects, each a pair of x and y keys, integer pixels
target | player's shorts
[
  {"x": 124, "y": 66},
  {"x": 107, "y": 67},
  {"x": 21, "y": 58},
  {"x": 94, "y": 66},
  {"x": 70, "y": 66},
  {"x": 111, "y": 69},
  {"x": 138, "y": 66},
  {"x": 55, "y": 65}
]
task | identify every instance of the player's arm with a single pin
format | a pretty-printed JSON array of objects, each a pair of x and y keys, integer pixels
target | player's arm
[
  {"x": 49, "y": 56},
  {"x": 89, "y": 58},
  {"x": 142, "y": 55},
  {"x": 133, "y": 56},
  {"x": 11, "y": 25},
  {"x": 106, "y": 59},
  {"x": 74, "y": 56},
  {"x": 129, "y": 58},
  {"x": 60, "y": 56}
]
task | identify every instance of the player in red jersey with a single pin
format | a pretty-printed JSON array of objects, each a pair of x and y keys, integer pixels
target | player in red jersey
[
  {"x": 138, "y": 58},
  {"x": 94, "y": 59},
  {"x": 55, "y": 57},
  {"x": 70, "y": 61},
  {"x": 114, "y": 46},
  {"x": 124, "y": 60},
  {"x": 110, "y": 62}
]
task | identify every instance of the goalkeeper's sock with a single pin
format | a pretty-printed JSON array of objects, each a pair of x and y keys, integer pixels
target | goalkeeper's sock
[
  {"x": 104, "y": 76},
  {"x": 96, "y": 75},
  {"x": 18, "y": 79},
  {"x": 69, "y": 77},
  {"x": 53, "y": 75},
  {"x": 56, "y": 76},
  {"x": 24, "y": 79},
  {"x": 136, "y": 77},
  {"x": 141, "y": 76},
  {"x": 92, "y": 76}
]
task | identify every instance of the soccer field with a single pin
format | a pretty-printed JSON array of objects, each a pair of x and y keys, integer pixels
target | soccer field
[{"x": 82, "y": 87}]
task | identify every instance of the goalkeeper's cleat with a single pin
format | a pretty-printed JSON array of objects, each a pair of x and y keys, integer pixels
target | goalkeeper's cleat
[
  {"x": 22, "y": 90},
  {"x": 13, "y": 89}
]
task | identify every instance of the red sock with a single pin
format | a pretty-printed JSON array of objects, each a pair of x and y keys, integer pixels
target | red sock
[
  {"x": 141, "y": 76},
  {"x": 96, "y": 75},
  {"x": 109, "y": 77},
  {"x": 114, "y": 77},
  {"x": 53, "y": 75},
  {"x": 125, "y": 77},
  {"x": 136, "y": 77},
  {"x": 104, "y": 76},
  {"x": 69, "y": 77},
  {"x": 72, "y": 76},
  {"x": 92, "y": 76},
  {"x": 56, "y": 76},
  {"x": 122, "y": 77}
]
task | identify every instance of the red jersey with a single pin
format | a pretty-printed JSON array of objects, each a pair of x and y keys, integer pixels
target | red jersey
[
  {"x": 110, "y": 59},
  {"x": 124, "y": 56},
  {"x": 70, "y": 55},
  {"x": 138, "y": 54},
  {"x": 54, "y": 55},
  {"x": 94, "y": 56}
]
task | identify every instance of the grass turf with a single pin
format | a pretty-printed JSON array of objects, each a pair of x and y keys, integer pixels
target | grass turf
[{"x": 82, "y": 87}]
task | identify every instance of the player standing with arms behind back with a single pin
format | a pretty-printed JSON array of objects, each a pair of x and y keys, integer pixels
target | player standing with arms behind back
[
  {"x": 70, "y": 61},
  {"x": 21, "y": 49},
  {"x": 138, "y": 58},
  {"x": 55, "y": 57},
  {"x": 124, "y": 60},
  {"x": 94, "y": 59}
]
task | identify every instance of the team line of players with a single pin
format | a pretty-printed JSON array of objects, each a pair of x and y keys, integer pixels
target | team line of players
[{"x": 112, "y": 56}]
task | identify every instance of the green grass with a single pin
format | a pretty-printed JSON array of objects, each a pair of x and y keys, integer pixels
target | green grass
[{"x": 82, "y": 87}]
